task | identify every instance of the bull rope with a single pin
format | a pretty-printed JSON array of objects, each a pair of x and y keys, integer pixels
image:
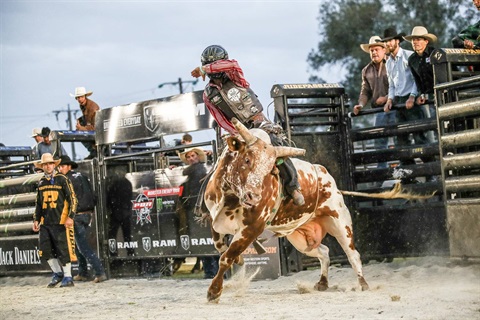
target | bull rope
[{"x": 396, "y": 193}]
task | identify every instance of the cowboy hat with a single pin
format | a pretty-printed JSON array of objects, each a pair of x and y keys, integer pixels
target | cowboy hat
[
  {"x": 36, "y": 132},
  {"x": 81, "y": 91},
  {"x": 391, "y": 33},
  {"x": 374, "y": 41},
  {"x": 67, "y": 161},
  {"x": 202, "y": 156},
  {"x": 45, "y": 132},
  {"x": 46, "y": 158},
  {"x": 421, "y": 32}
]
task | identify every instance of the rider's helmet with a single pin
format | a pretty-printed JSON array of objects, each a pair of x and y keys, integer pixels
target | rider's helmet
[{"x": 211, "y": 54}]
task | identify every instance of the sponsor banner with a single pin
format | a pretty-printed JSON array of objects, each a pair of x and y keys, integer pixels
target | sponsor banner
[
  {"x": 154, "y": 222},
  {"x": 146, "y": 244},
  {"x": 162, "y": 192},
  {"x": 268, "y": 263},
  {"x": 312, "y": 90},
  {"x": 152, "y": 118},
  {"x": 20, "y": 256}
]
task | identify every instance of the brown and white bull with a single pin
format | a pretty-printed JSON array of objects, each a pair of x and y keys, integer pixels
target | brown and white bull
[{"x": 245, "y": 197}]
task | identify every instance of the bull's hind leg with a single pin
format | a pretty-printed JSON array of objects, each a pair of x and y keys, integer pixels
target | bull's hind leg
[
  {"x": 324, "y": 258},
  {"x": 300, "y": 240},
  {"x": 344, "y": 235}
]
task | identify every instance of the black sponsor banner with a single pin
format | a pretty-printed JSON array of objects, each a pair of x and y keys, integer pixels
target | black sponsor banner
[
  {"x": 154, "y": 221},
  {"x": 20, "y": 256},
  {"x": 152, "y": 118}
]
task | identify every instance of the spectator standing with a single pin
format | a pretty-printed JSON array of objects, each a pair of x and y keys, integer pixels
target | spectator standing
[
  {"x": 87, "y": 121},
  {"x": 422, "y": 69},
  {"x": 228, "y": 95},
  {"x": 469, "y": 38},
  {"x": 402, "y": 89},
  {"x": 83, "y": 218},
  {"x": 37, "y": 135},
  {"x": 375, "y": 88},
  {"x": 195, "y": 158},
  {"x": 47, "y": 145},
  {"x": 55, "y": 209}
]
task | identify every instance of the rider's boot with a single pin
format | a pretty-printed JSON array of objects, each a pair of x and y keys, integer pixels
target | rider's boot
[{"x": 298, "y": 198}]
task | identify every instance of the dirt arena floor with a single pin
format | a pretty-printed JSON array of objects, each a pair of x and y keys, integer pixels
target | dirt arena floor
[{"x": 418, "y": 288}]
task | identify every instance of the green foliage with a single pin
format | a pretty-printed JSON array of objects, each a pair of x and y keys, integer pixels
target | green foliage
[{"x": 345, "y": 24}]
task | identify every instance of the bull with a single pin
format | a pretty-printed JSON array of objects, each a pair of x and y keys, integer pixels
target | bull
[{"x": 244, "y": 197}]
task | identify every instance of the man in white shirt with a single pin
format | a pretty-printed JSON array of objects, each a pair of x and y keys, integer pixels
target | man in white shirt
[{"x": 402, "y": 90}]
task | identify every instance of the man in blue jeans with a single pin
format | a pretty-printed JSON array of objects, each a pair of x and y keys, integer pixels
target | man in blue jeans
[
  {"x": 85, "y": 207},
  {"x": 375, "y": 88}
]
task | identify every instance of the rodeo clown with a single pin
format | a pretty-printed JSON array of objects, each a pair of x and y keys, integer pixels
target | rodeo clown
[
  {"x": 228, "y": 95},
  {"x": 56, "y": 205}
]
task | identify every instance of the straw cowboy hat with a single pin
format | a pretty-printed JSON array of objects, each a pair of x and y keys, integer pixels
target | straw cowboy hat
[
  {"x": 46, "y": 158},
  {"x": 391, "y": 33},
  {"x": 81, "y": 91},
  {"x": 421, "y": 32},
  {"x": 67, "y": 161},
  {"x": 36, "y": 132},
  {"x": 202, "y": 156},
  {"x": 374, "y": 41}
]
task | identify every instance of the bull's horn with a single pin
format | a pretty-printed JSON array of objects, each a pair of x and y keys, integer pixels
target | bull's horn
[
  {"x": 288, "y": 151},
  {"x": 243, "y": 131}
]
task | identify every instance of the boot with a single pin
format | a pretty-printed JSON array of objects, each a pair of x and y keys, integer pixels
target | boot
[
  {"x": 67, "y": 282},
  {"x": 297, "y": 197},
  {"x": 56, "y": 279}
]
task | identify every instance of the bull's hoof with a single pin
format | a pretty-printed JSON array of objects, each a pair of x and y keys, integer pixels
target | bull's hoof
[
  {"x": 363, "y": 284},
  {"x": 321, "y": 286},
  {"x": 213, "y": 297}
]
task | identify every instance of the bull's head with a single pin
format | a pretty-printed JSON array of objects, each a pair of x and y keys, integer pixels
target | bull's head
[{"x": 252, "y": 160}]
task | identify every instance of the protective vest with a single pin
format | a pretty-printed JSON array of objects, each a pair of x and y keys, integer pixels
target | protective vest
[{"x": 235, "y": 101}]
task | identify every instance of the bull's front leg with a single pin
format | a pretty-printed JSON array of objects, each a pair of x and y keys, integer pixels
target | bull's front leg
[{"x": 230, "y": 256}]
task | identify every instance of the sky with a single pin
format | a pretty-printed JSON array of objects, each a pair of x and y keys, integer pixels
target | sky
[{"x": 123, "y": 50}]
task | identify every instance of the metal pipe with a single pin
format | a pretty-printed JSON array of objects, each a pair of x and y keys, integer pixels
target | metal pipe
[
  {"x": 459, "y": 109},
  {"x": 29, "y": 179},
  {"x": 19, "y": 212},
  {"x": 19, "y": 227},
  {"x": 456, "y": 83},
  {"x": 462, "y": 160},
  {"x": 17, "y": 198},
  {"x": 461, "y": 139},
  {"x": 463, "y": 183}
]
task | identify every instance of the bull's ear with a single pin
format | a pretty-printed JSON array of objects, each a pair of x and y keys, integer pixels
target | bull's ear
[{"x": 235, "y": 144}]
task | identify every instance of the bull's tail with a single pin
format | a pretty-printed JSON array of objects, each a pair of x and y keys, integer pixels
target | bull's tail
[{"x": 396, "y": 193}]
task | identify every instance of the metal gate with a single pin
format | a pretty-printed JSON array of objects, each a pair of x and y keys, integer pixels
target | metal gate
[
  {"x": 315, "y": 118},
  {"x": 312, "y": 116},
  {"x": 139, "y": 225},
  {"x": 457, "y": 93},
  {"x": 18, "y": 189}
]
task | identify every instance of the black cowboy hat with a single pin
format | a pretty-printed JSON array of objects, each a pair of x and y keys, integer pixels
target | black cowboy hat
[
  {"x": 391, "y": 33},
  {"x": 45, "y": 132},
  {"x": 66, "y": 160}
]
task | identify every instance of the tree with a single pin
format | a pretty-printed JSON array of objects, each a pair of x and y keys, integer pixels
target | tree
[{"x": 345, "y": 24}]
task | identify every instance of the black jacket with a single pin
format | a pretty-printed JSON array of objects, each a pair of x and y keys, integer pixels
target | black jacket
[
  {"x": 422, "y": 71},
  {"x": 83, "y": 191}
]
